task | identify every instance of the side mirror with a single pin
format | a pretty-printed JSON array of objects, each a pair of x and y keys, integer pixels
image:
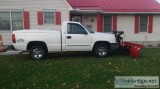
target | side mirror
[{"x": 86, "y": 33}]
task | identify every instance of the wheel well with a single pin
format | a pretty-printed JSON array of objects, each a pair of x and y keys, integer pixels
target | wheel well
[
  {"x": 39, "y": 43},
  {"x": 102, "y": 42}
]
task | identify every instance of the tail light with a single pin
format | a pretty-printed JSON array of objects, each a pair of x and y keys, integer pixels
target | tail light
[{"x": 13, "y": 38}]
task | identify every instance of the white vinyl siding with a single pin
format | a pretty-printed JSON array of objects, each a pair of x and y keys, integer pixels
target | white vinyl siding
[
  {"x": 90, "y": 22},
  {"x": 33, "y": 6},
  {"x": 126, "y": 23}
]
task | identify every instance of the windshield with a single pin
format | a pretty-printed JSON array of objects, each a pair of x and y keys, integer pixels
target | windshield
[{"x": 90, "y": 31}]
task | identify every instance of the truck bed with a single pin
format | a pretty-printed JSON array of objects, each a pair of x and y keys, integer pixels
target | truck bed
[{"x": 51, "y": 37}]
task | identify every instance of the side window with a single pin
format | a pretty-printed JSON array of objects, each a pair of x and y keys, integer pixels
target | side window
[{"x": 75, "y": 29}]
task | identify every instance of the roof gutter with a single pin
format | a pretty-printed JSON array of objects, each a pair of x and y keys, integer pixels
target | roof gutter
[
  {"x": 79, "y": 10},
  {"x": 101, "y": 11}
]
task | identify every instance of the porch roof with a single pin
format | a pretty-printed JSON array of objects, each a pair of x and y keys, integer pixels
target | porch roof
[{"x": 117, "y": 6}]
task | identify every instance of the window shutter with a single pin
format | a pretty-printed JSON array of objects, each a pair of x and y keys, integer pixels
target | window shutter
[
  {"x": 99, "y": 23},
  {"x": 40, "y": 17},
  {"x": 136, "y": 23},
  {"x": 58, "y": 18},
  {"x": 150, "y": 26},
  {"x": 26, "y": 20},
  {"x": 114, "y": 22}
]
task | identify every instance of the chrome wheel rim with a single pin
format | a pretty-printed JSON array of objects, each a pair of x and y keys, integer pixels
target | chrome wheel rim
[
  {"x": 37, "y": 53},
  {"x": 102, "y": 51}
]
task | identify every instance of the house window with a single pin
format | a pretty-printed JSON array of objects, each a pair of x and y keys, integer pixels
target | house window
[
  {"x": 5, "y": 21},
  {"x": 143, "y": 23},
  {"x": 107, "y": 23},
  {"x": 76, "y": 18},
  {"x": 17, "y": 20},
  {"x": 49, "y": 17},
  {"x": 10, "y": 20}
]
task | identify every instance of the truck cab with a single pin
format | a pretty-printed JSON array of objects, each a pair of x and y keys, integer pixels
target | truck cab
[{"x": 78, "y": 38}]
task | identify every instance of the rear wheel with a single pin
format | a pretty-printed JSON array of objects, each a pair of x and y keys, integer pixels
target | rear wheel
[
  {"x": 37, "y": 52},
  {"x": 101, "y": 50}
]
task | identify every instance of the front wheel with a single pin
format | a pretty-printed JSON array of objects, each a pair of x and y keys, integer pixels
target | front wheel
[
  {"x": 37, "y": 52},
  {"x": 101, "y": 50}
]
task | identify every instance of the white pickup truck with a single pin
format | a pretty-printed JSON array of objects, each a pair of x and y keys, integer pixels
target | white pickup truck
[{"x": 72, "y": 37}]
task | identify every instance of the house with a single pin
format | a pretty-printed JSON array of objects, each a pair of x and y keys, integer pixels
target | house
[
  {"x": 139, "y": 19},
  {"x": 31, "y": 14}
]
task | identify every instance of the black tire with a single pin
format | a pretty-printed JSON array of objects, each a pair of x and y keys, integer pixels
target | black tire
[
  {"x": 101, "y": 50},
  {"x": 37, "y": 52}
]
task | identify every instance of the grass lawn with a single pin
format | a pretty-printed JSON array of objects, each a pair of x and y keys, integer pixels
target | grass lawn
[{"x": 74, "y": 71}]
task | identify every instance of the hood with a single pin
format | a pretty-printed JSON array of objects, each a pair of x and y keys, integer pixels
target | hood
[
  {"x": 98, "y": 36},
  {"x": 100, "y": 33}
]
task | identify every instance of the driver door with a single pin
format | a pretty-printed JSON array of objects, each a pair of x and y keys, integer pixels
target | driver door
[{"x": 77, "y": 38}]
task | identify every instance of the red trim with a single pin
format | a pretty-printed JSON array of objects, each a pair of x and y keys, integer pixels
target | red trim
[
  {"x": 13, "y": 38},
  {"x": 136, "y": 23},
  {"x": 150, "y": 26},
  {"x": 114, "y": 22},
  {"x": 58, "y": 18},
  {"x": 40, "y": 17},
  {"x": 26, "y": 20},
  {"x": 99, "y": 23}
]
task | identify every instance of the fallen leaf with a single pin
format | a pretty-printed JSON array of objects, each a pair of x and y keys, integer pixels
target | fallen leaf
[{"x": 63, "y": 84}]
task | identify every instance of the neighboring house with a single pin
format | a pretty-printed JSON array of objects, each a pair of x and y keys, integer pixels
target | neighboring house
[
  {"x": 31, "y": 14},
  {"x": 139, "y": 19}
]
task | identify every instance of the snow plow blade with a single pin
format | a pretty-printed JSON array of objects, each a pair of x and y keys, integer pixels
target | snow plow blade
[
  {"x": 131, "y": 48},
  {"x": 127, "y": 47}
]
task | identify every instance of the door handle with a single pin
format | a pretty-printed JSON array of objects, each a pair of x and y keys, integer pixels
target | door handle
[{"x": 69, "y": 37}]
